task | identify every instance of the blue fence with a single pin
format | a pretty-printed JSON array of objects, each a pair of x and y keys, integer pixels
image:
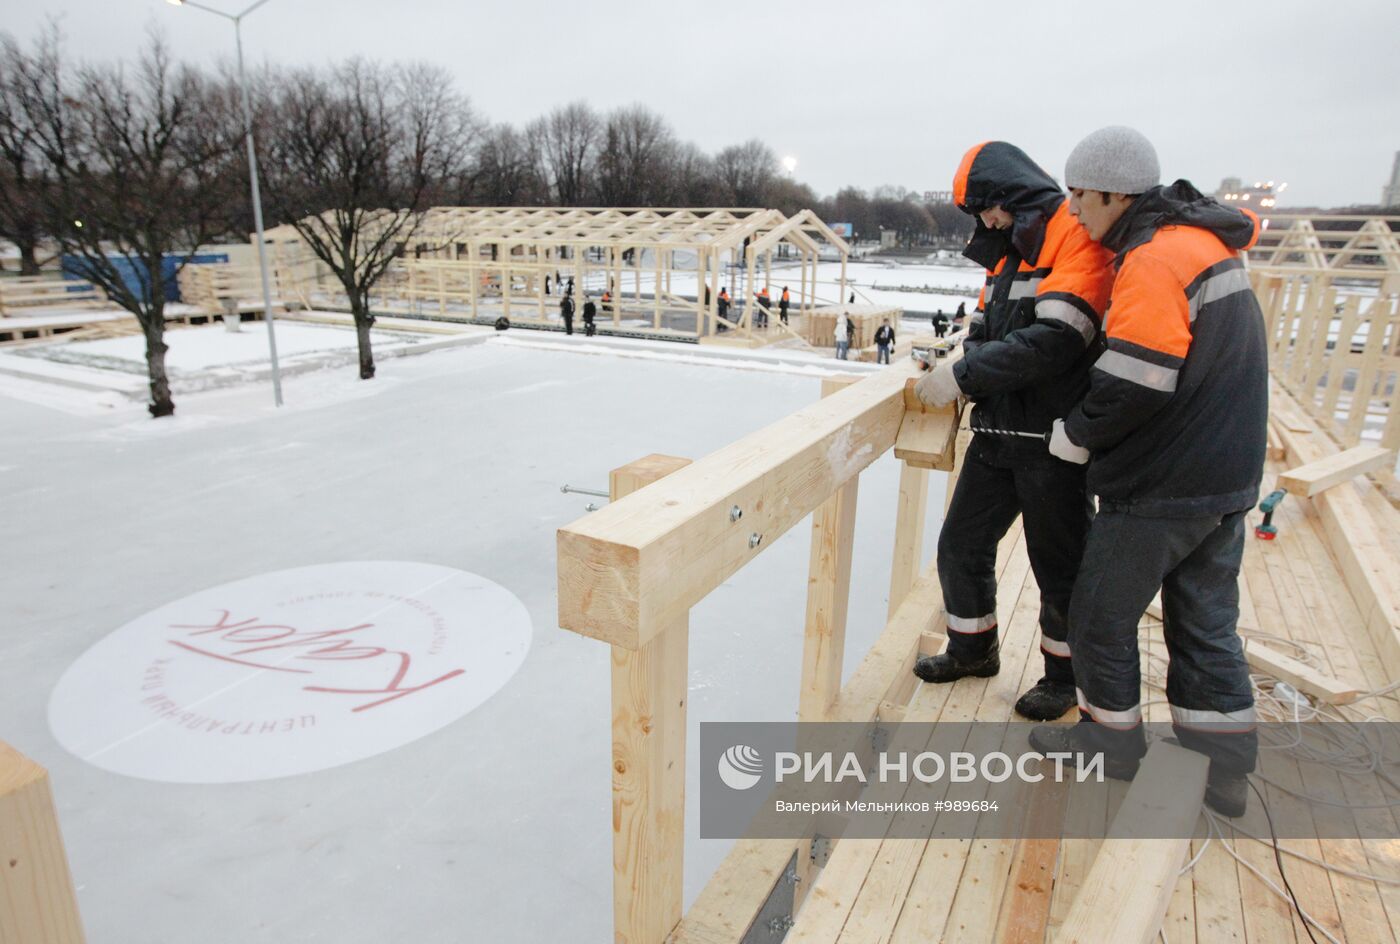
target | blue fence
[{"x": 134, "y": 273}]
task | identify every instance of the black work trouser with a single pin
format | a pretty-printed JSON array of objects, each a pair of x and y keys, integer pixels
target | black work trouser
[
  {"x": 1050, "y": 496},
  {"x": 1195, "y": 562},
  {"x": 568, "y": 324}
]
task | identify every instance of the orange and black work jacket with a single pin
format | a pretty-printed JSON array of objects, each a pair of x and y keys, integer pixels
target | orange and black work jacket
[
  {"x": 1177, "y": 409},
  {"x": 1035, "y": 336}
]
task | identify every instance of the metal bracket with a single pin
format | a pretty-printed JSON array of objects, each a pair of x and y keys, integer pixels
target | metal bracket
[
  {"x": 821, "y": 850},
  {"x": 775, "y": 918}
]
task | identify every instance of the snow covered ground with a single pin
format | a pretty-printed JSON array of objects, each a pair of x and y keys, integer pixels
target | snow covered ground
[
  {"x": 883, "y": 283},
  {"x": 208, "y": 356},
  {"x": 497, "y": 826}
]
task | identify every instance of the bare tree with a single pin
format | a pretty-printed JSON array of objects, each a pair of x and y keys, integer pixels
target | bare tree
[
  {"x": 636, "y": 145},
  {"x": 747, "y": 169},
  {"x": 506, "y": 171},
  {"x": 567, "y": 139},
  {"x": 141, "y": 164},
  {"x": 354, "y": 157},
  {"x": 25, "y": 175}
]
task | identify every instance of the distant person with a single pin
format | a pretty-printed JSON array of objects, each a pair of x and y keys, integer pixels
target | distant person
[
  {"x": 962, "y": 312},
  {"x": 566, "y": 311},
  {"x": 884, "y": 342},
  {"x": 764, "y": 303},
  {"x": 783, "y": 303},
  {"x": 589, "y": 311},
  {"x": 607, "y": 302},
  {"x": 546, "y": 285},
  {"x": 722, "y": 305},
  {"x": 845, "y": 333},
  {"x": 570, "y": 290},
  {"x": 940, "y": 323},
  {"x": 852, "y": 300}
]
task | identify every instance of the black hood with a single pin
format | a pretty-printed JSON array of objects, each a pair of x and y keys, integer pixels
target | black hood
[
  {"x": 1179, "y": 204},
  {"x": 1001, "y": 174}
]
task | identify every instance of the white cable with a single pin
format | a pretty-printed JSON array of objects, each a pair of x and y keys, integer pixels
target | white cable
[{"x": 1271, "y": 886}]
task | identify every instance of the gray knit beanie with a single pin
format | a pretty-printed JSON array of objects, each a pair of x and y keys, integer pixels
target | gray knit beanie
[{"x": 1114, "y": 160}]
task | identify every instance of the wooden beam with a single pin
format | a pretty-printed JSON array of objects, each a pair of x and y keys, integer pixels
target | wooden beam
[
  {"x": 1367, "y": 564},
  {"x": 37, "y": 902},
  {"x": 1298, "y": 674},
  {"x": 727, "y": 905},
  {"x": 908, "y": 532},
  {"x": 1307, "y": 480},
  {"x": 828, "y": 593},
  {"x": 1130, "y": 884},
  {"x": 648, "y": 760},
  {"x": 642, "y": 562}
]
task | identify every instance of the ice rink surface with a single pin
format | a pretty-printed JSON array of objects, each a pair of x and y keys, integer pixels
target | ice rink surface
[{"x": 493, "y": 828}]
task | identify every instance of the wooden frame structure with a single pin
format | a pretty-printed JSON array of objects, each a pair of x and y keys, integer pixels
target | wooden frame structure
[
  {"x": 1331, "y": 301},
  {"x": 485, "y": 262},
  {"x": 629, "y": 574}
]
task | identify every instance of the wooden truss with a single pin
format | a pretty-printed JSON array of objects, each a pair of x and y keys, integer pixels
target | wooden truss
[{"x": 502, "y": 258}]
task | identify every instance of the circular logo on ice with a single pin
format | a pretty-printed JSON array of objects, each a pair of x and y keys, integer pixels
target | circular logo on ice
[
  {"x": 740, "y": 767},
  {"x": 290, "y": 672}
]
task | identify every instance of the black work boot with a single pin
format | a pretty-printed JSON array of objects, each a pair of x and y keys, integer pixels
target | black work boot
[
  {"x": 1227, "y": 792},
  {"x": 1084, "y": 739},
  {"x": 1046, "y": 701},
  {"x": 944, "y": 667}
]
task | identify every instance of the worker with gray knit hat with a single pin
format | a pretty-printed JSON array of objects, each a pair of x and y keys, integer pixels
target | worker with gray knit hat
[
  {"x": 1173, "y": 431},
  {"x": 1026, "y": 359}
]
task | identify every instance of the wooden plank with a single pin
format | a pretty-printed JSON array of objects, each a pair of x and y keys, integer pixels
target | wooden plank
[
  {"x": 732, "y": 898},
  {"x": 1350, "y": 908},
  {"x": 37, "y": 902},
  {"x": 1125, "y": 897},
  {"x": 644, "y": 561},
  {"x": 1363, "y": 556},
  {"x": 928, "y": 913},
  {"x": 828, "y": 593},
  {"x": 1307, "y": 480},
  {"x": 1299, "y": 674},
  {"x": 908, "y": 532},
  {"x": 649, "y": 696}
]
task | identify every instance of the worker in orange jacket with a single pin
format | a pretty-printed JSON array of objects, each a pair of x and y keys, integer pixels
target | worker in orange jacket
[
  {"x": 1027, "y": 355},
  {"x": 1173, "y": 429}
]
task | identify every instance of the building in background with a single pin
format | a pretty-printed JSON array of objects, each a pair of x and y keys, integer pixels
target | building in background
[
  {"x": 1390, "y": 193},
  {"x": 1262, "y": 196}
]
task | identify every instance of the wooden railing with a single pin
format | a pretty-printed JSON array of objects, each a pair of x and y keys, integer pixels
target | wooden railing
[
  {"x": 676, "y": 530},
  {"x": 1331, "y": 302}
]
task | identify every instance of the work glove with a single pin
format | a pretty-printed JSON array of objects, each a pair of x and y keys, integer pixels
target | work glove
[
  {"x": 1062, "y": 447},
  {"x": 939, "y": 387}
]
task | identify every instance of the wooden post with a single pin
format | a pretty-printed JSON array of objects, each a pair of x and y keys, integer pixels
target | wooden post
[
  {"x": 656, "y": 290},
  {"x": 615, "y": 289},
  {"x": 842, "y": 299},
  {"x": 648, "y": 730},
  {"x": 828, "y": 591},
  {"x": 37, "y": 903},
  {"x": 702, "y": 280},
  {"x": 908, "y": 533},
  {"x": 473, "y": 274}
]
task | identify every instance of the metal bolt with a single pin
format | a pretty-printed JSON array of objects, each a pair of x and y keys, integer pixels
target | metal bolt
[
  {"x": 755, "y": 539},
  {"x": 736, "y": 513},
  {"x": 590, "y": 507},
  {"x": 791, "y": 876},
  {"x": 780, "y": 924}
]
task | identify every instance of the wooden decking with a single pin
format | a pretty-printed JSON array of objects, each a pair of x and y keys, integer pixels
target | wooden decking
[{"x": 909, "y": 890}]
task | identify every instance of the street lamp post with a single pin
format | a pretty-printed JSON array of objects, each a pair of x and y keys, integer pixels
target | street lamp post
[{"x": 253, "y": 175}]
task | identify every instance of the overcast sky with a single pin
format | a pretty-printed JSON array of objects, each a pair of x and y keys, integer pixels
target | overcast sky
[{"x": 874, "y": 92}]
